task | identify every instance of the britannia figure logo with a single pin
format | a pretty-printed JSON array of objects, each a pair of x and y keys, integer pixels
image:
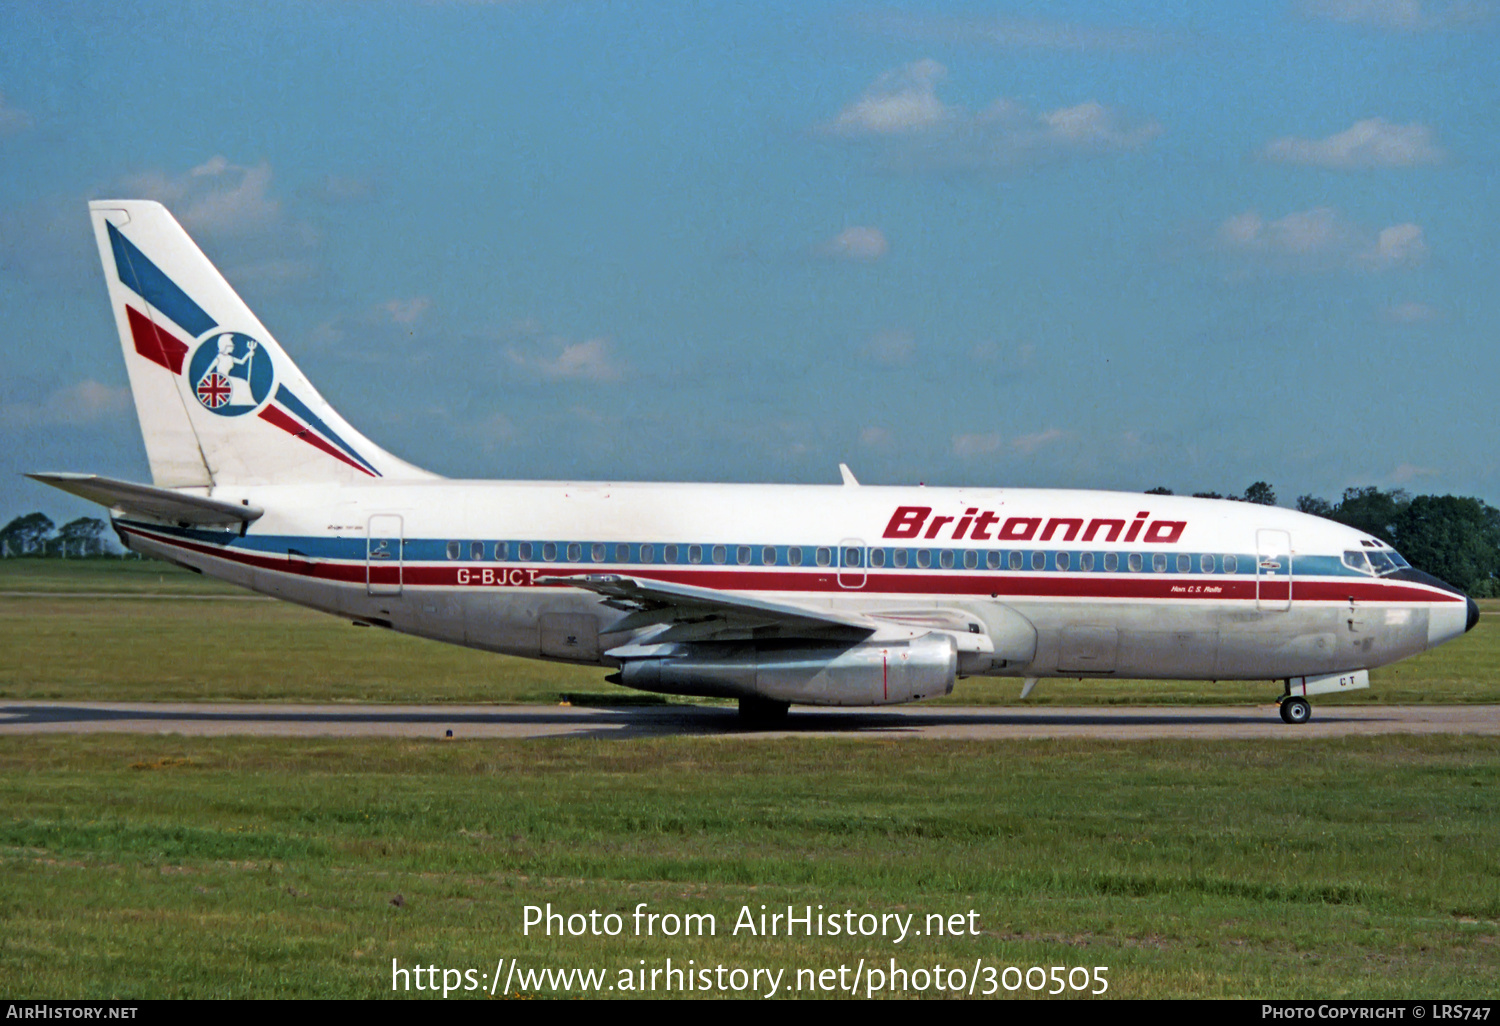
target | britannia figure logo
[{"x": 230, "y": 373}]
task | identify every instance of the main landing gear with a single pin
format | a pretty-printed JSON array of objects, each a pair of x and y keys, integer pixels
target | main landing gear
[
  {"x": 1295, "y": 710},
  {"x": 763, "y": 712}
]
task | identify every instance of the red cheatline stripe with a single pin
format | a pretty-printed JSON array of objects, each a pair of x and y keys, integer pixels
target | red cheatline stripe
[
  {"x": 291, "y": 427},
  {"x": 155, "y": 344},
  {"x": 792, "y": 581}
]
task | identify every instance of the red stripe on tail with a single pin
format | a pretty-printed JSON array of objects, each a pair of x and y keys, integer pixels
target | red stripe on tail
[
  {"x": 291, "y": 427},
  {"x": 154, "y": 344}
]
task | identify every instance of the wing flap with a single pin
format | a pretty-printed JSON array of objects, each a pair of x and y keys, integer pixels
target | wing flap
[
  {"x": 161, "y": 504},
  {"x": 703, "y": 613}
]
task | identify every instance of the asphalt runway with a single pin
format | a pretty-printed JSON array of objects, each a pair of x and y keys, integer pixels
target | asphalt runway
[{"x": 1138, "y": 723}]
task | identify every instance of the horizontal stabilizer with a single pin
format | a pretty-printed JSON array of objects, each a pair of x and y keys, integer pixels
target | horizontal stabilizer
[{"x": 161, "y": 504}]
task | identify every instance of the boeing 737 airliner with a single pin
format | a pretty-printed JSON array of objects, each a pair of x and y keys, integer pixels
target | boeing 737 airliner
[{"x": 770, "y": 594}]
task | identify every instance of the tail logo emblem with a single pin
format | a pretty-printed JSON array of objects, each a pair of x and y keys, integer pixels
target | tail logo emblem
[{"x": 230, "y": 372}]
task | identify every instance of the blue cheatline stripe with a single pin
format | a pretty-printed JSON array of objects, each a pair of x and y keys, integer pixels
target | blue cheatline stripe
[
  {"x": 298, "y": 407},
  {"x": 146, "y": 280},
  {"x": 435, "y": 550}
]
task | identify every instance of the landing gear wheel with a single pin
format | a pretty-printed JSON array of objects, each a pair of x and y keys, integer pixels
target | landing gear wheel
[
  {"x": 1295, "y": 710},
  {"x": 763, "y": 712}
]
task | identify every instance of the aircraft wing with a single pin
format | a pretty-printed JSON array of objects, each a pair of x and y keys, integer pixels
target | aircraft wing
[
  {"x": 161, "y": 504},
  {"x": 703, "y": 614}
]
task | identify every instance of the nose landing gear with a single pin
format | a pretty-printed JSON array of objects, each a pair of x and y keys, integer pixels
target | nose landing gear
[{"x": 1295, "y": 710}]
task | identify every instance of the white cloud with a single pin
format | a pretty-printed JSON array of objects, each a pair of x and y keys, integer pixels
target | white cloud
[
  {"x": 861, "y": 243},
  {"x": 898, "y": 101},
  {"x": 590, "y": 360},
  {"x": 1400, "y": 245},
  {"x": 970, "y": 446},
  {"x": 1371, "y": 143},
  {"x": 215, "y": 196},
  {"x": 406, "y": 311},
  {"x": 12, "y": 119},
  {"x": 1028, "y": 444},
  {"x": 1400, "y": 15},
  {"x": 1319, "y": 239},
  {"x": 1408, "y": 472},
  {"x": 85, "y": 402},
  {"x": 911, "y": 129}
]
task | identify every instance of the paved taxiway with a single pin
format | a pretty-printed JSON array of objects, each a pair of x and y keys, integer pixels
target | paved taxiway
[{"x": 469, "y": 722}]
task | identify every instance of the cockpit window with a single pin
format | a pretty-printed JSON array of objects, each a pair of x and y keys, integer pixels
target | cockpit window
[{"x": 1378, "y": 562}]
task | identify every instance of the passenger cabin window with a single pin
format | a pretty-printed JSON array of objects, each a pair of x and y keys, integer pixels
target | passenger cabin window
[
  {"x": 1231, "y": 565},
  {"x": 992, "y": 560},
  {"x": 898, "y": 559},
  {"x": 768, "y": 556},
  {"x": 549, "y": 551},
  {"x": 742, "y": 555},
  {"x": 945, "y": 559},
  {"x": 877, "y": 557},
  {"x": 622, "y": 553},
  {"x": 648, "y": 553},
  {"x": 794, "y": 555},
  {"x": 1159, "y": 563},
  {"x": 669, "y": 553},
  {"x": 1015, "y": 560},
  {"x": 1111, "y": 562},
  {"x": 1184, "y": 563},
  {"x": 575, "y": 552},
  {"x": 1086, "y": 561},
  {"x": 695, "y": 553},
  {"x": 598, "y": 552},
  {"x": 851, "y": 557},
  {"x": 1206, "y": 563},
  {"x": 499, "y": 550},
  {"x": 1062, "y": 560},
  {"x": 453, "y": 550},
  {"x": 523, "y": 552},
  {"x": 1134, "y": 562},
  {"x": 1038, "y": 561},
  {"x": 476, "y": 550},
  {"x": 720, "y": 553},
  {"x": 824, "y": 555},
  {"x": 971, "y": 559}
]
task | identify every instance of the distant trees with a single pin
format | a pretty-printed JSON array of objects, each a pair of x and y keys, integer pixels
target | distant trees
[
  {"x": 26, "y": 536},
  {"x": 1453, "y": 538},
  {"x": 31, "y": 535}
]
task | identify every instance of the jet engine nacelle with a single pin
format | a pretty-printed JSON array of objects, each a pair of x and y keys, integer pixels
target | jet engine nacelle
[{"x": 804, "y": 674}]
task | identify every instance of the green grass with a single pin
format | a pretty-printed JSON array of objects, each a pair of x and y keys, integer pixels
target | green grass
[
  {"x": 140, "y": 647},
  {"x": 172, "y": 867}
]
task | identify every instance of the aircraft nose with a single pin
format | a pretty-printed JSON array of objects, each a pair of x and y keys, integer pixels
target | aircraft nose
[{"x": 1473, "y": 616}]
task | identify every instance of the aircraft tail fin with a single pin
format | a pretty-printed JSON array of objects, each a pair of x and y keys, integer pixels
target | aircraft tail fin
[{"x": 219, "y": 400}]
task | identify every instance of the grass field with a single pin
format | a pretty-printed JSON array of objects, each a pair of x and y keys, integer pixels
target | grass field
[
  {"x": 167, "y": 867},
  {"x": 145, "y": 866},
  {"x": 166, "y": 634}
]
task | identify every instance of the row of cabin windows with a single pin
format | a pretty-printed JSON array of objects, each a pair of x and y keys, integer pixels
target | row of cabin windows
[{"x": 853, "y": 558}]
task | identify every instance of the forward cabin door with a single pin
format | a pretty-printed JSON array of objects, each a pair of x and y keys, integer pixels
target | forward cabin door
[
  {"x": 383, "y": 555},
  {"x": 1273, "y": 570}
]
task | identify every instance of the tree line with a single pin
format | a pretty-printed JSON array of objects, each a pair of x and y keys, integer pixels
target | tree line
[
  {"x": 36, "y": 535},
  {"x": 1451, "y": 537}
]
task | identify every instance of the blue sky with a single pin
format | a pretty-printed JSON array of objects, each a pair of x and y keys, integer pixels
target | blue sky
[{"x": 1098, "y": 245}]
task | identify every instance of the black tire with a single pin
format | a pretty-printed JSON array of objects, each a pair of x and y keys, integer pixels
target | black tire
[
  {"x": 763, "y": 712},
  {"x": 1295, "y": 710}
]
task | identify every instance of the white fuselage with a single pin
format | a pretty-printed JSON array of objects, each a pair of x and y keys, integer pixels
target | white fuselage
[{"x": 1030, "y": 583}]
